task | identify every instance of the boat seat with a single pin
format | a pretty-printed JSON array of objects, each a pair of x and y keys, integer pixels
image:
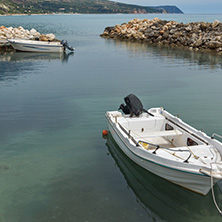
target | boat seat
[{"x": 156, "y": 133}]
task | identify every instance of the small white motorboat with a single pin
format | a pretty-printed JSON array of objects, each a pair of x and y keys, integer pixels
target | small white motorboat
[
  {"x": 38, "y": 46},
  {"x": 166, "y": 146}
]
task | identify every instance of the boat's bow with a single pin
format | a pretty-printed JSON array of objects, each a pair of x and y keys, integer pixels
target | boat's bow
[
  {"x": 166, "y": 146},
  {"x": 215, "y": 171}
]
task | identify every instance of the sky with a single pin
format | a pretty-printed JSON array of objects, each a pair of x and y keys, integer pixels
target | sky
[{"x": 187, "y": 6}]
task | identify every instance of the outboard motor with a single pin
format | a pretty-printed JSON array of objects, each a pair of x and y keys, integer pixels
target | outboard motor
[
  {"x": 124, "y": 108},
  {"x": 66, "y": 46},
  {"x": 133, "y": 105}
]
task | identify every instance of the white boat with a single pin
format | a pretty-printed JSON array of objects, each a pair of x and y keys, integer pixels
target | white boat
[
  {"x": 166, "y": 146},
  {"x": 38, "y": 46},
  {"x": 152, "y": 192}
]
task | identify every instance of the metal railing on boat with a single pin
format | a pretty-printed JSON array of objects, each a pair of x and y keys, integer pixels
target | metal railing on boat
[
  {"x": 215, "y": 134},
  {"x": 137, "y": 143},
  {"x": 162, "y": 147}
]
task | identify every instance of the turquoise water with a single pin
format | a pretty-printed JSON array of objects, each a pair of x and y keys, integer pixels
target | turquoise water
[{"x": 54, "y": 163}]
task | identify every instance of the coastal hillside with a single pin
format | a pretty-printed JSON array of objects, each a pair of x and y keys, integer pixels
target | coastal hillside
[
  {"x": 78, "y": 6},
  {"x": 169, "y": 9}
]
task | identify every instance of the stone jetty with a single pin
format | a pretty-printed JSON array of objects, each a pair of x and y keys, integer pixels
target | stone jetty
[
  {"x": 193, "y": 36},
  {"x": 21, "y": 33}
]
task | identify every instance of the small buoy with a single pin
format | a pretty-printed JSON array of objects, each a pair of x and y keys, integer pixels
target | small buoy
[{"x": 105, "y": 132}]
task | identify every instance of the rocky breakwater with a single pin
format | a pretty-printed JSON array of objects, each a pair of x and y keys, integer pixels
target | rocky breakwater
[
  {"x": 194, "y": 36},
  {"x": 21, "y": 33}
]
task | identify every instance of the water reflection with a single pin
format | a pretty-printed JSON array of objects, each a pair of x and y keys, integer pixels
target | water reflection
[
  {"x": 206, "y": 60},
  {"x": 15, "y": 56},
  {"x": 160, "y": 198},
  {"x": 14, "y": 63}
]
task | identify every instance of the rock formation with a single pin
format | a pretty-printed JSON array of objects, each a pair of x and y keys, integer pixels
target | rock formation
[
  {"x": 195, "y": 35},
  {"x": 21, "y": 33}
]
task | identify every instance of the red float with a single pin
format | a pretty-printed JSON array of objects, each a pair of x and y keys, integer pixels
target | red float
[{"x": 105, "y": 132}]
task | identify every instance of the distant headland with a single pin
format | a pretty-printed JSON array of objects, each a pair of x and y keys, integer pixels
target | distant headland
[{"x": 12, "y": 7}]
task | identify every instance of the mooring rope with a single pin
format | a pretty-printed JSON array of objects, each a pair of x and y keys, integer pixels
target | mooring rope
[{"x": 212, "y": 190}]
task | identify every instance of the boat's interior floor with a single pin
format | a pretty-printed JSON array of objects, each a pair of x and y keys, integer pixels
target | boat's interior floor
[
  {"x": 170, "y": 144},
  {"x": 159, "y": 138},
  {"x": 200, "y": 154},
  {"x": 158, "y": 141}
]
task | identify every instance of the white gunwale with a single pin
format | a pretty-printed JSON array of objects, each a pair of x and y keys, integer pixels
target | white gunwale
[
  {"x": 194, "y": 174},
  {"x": 36, "y": 46}
]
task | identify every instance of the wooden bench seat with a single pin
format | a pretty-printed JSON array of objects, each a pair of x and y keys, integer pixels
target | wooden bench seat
[{"x": 138, "y": 134}]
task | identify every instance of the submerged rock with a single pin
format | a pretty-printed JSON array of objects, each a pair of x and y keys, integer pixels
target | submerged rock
[{"x": 194, "y": 36}]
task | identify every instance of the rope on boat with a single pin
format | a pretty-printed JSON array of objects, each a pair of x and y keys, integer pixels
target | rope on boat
[
  {"x": 191, "y": 152},
  {"x": 195, "y": 156},
  {"x": 212, "y": 190}
]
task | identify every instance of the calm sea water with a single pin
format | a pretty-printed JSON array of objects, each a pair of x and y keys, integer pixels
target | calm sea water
[{"x": 54, "y": 163}]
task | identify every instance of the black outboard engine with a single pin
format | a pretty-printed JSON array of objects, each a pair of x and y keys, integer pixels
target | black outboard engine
[
  {"x": 124, "y": 108},
  {"x": 133, "y": 105},
  {"x": 66, "y": 46}
]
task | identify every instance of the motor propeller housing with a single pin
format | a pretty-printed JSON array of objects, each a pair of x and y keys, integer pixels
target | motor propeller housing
[
  {"x": 66, "y": 45},
  {"x": 133, "y": 105}
]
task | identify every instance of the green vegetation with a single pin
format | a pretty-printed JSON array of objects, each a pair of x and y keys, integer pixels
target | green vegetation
[{"x": 77, "y": 6}]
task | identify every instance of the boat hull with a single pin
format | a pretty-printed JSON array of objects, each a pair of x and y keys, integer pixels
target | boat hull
[
  {"x": 199, "y": 183},
  {"x": 36, "y": 47}
]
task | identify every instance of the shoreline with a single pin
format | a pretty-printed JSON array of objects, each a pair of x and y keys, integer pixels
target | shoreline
[
  {"x": 21, "y": 33},
  {"x": 195, "y": 36},
  {"x": 41, "y": 14},
  {"x": 24, "y": 14}
]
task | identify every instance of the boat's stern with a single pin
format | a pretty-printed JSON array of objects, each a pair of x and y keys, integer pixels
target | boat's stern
[{"x": 112, "y": 117}]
